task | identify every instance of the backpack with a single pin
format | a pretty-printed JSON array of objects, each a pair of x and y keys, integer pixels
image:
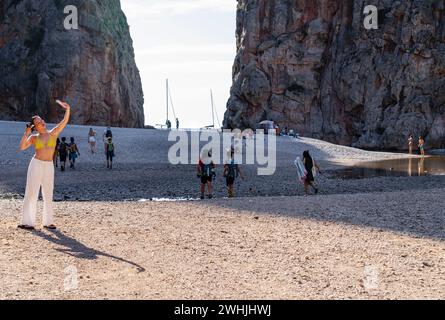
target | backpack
[
  {"x": 206, "y": 170},
  {"x": 62, "y": 148},
  {"x": 233, "y": 169}
]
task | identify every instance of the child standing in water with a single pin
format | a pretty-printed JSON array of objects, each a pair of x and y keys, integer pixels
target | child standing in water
[
  {"x": 206, "y": 172},
  {"x": 410, "y": 144},
  {"x": 231, "y": 172},
  {"x": 422, "y": 146}
]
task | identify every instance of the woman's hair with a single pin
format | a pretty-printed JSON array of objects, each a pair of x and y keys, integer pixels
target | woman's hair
[
  {"x": 31, "y": 123},
  {"x": 306, "y": 154},
  {"x": 72, "y": 139}
]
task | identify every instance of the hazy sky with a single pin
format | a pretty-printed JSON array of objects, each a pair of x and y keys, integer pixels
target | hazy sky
[{"x": 190, "y": 42}]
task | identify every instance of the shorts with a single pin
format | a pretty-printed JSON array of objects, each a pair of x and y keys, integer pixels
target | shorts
[
  {"x": 62, "y": 157},
  {"x": 205, "y": 179},
  {"x": 230, "y": 181},
  {"x": 73, "y": 156},
  {"x": 92, "y": 139},
  {"x": 110, "y": 155}
]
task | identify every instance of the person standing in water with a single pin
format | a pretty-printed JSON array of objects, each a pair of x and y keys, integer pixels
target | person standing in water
[
  {"x": 422, "y": 146},
  {"x": 41, "y": 169},
  {"x": 177, "y": 123},
  {"x": 92, "y": 140},
  {"x": 410, "y": 144},
  {"x": 309, "y": 165}
]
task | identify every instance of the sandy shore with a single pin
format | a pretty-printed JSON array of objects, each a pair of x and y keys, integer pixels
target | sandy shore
[
  {"x": 376, "y": 246},
  {"x": 379, "y": 238}
]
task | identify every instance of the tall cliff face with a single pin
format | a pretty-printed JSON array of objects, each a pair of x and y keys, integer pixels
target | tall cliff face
[
  {"x": 310, "y": 65},
  {"x": 93, "y": 68}
]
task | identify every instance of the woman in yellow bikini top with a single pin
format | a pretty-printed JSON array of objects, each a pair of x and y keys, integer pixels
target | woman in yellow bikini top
[
  {"x": 43, "y": 140},
  {"x": 51, "y": 143},
  {"x": 41, "y": 169}
]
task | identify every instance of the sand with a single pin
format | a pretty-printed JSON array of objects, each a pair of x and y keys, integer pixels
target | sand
[{"x": 380, "y": 238}]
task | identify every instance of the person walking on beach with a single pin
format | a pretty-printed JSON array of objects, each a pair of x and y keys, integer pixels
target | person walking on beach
[
  {"x": 92, "y": 140},
  {"x": 422, "y": 146},
  {"x": 410, "y": 143},
  {"x": 56, "y": 154},
  {"x": 309, "y": 165},
  {"x": 41, "y": 169},
  {"x": 62, "y": 150},
  {"x": 110, "y": 153},
  {"x": 231, "y": 172},
  {"x": 177, "y": 123},
  {"x": 206, "y": 172},
  {"x": 107, "y": 134},
  {"x": 74, "y": 153}
]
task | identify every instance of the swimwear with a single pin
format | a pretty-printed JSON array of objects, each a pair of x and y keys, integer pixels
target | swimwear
[{"x": 51, "y": 143}]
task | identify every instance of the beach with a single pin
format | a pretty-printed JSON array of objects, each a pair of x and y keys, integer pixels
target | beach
[{"x": 377, "y": 238}]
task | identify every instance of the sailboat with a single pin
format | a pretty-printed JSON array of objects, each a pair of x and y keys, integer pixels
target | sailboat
[
  {"x": 169, "y": 103},
  {"x": 214, "y": 113}
]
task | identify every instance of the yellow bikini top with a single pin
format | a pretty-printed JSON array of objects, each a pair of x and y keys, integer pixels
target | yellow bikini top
[{"x": 51, "y": 143}]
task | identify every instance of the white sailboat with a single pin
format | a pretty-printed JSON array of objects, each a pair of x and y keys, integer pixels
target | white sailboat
[{"x": 214, "y": 114}]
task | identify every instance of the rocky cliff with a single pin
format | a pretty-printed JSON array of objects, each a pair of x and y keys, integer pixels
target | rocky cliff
[
  {"x": 93, "y": 67},
  {"x": 311, "y": 65}
]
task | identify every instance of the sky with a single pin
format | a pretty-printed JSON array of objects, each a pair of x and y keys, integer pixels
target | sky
[{"x": 191, "y": 43}]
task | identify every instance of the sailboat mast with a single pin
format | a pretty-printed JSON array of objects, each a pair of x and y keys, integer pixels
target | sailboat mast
[
  {"x": 213, "y": 108},
  {"x": 167, "y": 96}
]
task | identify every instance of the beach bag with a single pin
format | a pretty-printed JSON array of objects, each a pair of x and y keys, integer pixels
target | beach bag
[{"x": 301, "y": 170}]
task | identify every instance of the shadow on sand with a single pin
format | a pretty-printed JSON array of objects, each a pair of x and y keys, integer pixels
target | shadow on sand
[{"x": 78, "y": 250}]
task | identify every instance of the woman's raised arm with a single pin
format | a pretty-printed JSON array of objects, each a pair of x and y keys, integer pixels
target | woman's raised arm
[{"x": 59, "y": 128}]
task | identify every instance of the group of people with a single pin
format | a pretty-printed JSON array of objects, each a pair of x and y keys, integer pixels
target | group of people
[
  {"x": 69, "y": 151},
  {"x": 65, "y": 151},
  {"x": 206, "y": 173},
  {"x": 168, "y": 123},
  {"x": 420, "y": 145},
  {"x": 49, "y": 151}
]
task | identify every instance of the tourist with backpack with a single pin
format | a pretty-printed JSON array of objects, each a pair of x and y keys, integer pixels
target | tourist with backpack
[
  {"x": 73, "y": 153},
  {"x": 206, "y": 172},
  {"x": 107, "y": 134},
  {"x": 110, "y": 153},
  {"x": 63, "y": 153},
  {"x": 231, "y": 173}
]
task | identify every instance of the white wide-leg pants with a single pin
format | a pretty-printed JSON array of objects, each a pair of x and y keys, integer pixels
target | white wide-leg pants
[{"x": 40, "y": 174}]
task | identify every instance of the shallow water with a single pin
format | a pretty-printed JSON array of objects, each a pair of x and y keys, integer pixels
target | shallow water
[
  {"x": 168, "y": 199},
  {"x": 414, "y": 167}
]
